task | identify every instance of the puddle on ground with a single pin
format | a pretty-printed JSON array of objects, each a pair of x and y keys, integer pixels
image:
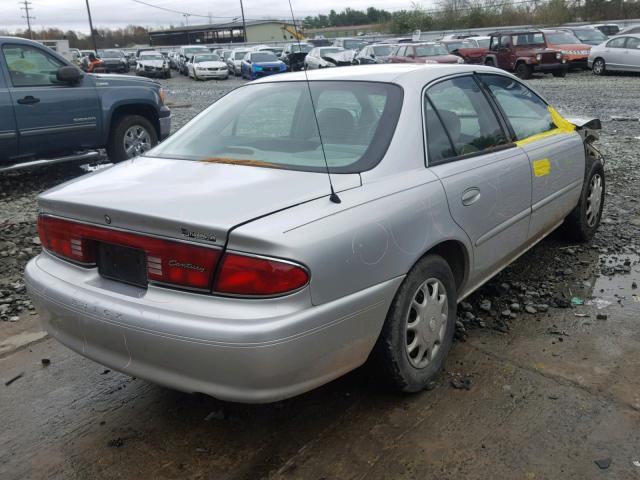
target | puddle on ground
[{"x": 615, "y": 285}]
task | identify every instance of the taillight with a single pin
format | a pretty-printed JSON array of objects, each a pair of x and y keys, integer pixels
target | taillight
[
  {"x": 247, "y": 275},
  {"x": 170, "y": 262}
]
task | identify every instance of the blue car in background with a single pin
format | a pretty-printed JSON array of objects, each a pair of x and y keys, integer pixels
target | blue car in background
[{"x": 261, "y": 64}]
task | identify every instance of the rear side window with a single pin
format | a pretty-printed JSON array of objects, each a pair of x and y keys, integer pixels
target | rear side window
[
  {"x": 617, "y": 42},
  {"x": 461, "y": 108},
  {"x": 633, "y": 42},
  {"x": 527, "y": 113}
]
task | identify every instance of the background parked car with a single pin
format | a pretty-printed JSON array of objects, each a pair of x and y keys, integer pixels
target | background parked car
[
  {"x": 465, "y": 49},
  {"x": 207, "y": 65},
  {"x": 573, "y": 50},
  {"x": 325, "y": 57},
  {"x": 153, "y": 64},
  {"x": 293, "y": 55},
  {"x": 234, "y": 62},
  {"x": 524, "y": 52},
  {"x": 619, "y": 54},
  {"x": 378, "y": 53},
  {"x": 427, "y": 52},
  {"x": 479, "y": 41},
  {"x": 185, "y": 53},
  {"x": 114, "y": 61},
  {"x": 609, "y": 29},
  {"x": 261, "y": 64},
  {"x": 587, "y": 35},
  {"x": 350, "y": 43},
  {"x": 633, "y": 29}
]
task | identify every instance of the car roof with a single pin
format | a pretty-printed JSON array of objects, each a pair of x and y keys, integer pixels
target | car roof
[{"x": 400, "y": 73}]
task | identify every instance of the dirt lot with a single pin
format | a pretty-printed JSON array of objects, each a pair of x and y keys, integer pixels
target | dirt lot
[{"x": 543, "y": 381}]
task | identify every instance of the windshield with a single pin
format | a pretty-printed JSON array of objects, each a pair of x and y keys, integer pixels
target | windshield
[
  {"x": 354, "y": 44},
  {"x": 192, "y": 50},
  {"x": 273, "y": 124},
  {"x": 590, "y": 34},
  {"x": 206, "y": 58},
  {"x": 326, "y": 51},
  {"x": 430, "y": 50},
  {"x": 151, "y": 56},
  {"x": 239, "y": 55},
  {"x": 560, "y": 38},
  {"x": 111, "y": 54},
  {"x": 382, "y": 50},
  {"x": 263, "y": 57},
  {"x": 301, "y": 48}
]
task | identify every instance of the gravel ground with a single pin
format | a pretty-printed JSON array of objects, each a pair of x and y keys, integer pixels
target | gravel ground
[{"x": 614, "y": 99}]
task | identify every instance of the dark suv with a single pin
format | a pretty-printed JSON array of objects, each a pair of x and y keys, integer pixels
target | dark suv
[{"x": 524, "y": 52}]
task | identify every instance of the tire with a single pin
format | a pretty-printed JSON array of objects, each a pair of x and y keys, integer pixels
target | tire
[
  {"x": 583, "y": 221},
  {"x": 560, "y": 74},
  {"x": 489, "y": 62},
  {"x": 599, "y": 66},
  {"x": 411, "y": 369},
  {"x": 168, "y": 74},
  {"x": 523, "y": 71},
  {"x": 121, "y": 126}
]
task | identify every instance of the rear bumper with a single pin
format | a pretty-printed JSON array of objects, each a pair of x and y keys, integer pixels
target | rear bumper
[{"x": 232, "y": 349}]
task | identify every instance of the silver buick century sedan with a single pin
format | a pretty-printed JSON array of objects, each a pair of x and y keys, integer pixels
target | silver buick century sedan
[{"x": 298, "y": 228}]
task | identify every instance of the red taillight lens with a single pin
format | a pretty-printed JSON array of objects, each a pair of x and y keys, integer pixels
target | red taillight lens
[
  {"x": 170, "y": 262},
  {"x": 246, "y": 275}
]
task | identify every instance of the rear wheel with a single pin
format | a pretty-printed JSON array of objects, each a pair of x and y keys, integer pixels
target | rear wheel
[
  {"x": 599, "y": 66},
  {"x": 581, "y": 224},
  {"x": 523, "y": 71},
  {"x": 489, "y": 62},
  {"x": 131, "y": 135},
  {"x": 418, "y": 331}
]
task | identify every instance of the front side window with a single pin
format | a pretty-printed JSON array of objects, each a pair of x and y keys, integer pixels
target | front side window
[
  {"x": 463, "y": 111},
  {"x": 527, "y": 113},
  {"x": 30, "y": 66},
  {"x": 617, "y": 42},
  {"x": 273, "y": 124}
]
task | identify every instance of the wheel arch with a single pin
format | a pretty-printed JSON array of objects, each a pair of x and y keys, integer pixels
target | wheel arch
[
  {"x": 457, "y": 256},
  {"x": 144, "y": 110}
]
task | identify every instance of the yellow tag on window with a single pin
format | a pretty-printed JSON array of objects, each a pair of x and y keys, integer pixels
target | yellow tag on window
[{"x": 541, "y": 167}]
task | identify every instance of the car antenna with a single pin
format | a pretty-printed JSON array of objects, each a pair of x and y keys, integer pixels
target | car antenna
[{"x": 334, "y": 196}]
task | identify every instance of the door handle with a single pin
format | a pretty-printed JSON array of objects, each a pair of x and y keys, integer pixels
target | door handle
[
  {"x": 470, "y": 196},
  {"x": 28, "y": 100}
]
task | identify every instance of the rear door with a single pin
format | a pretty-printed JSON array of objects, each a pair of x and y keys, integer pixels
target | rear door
[
  {"x": 8, "y": 132},
  {"x": 555, "y": 151},
  {"x": 633, "y": 54},
  {"x": 487, "y": 179},
  {"x": 50, "y": 116}
]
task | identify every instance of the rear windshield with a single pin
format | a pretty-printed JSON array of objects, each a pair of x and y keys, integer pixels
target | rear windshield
[
  {"x": 303, "y": 48},
  {"x": 110, "y": 54},
  {"x": 239, "y": 55},
  {"x": 272, "y": 124},
  {"x": 382, "y": 50}
]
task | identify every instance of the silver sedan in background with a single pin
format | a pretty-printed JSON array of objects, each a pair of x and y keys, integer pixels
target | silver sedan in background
[
  {"x": 618, "y": 54},
  {"x": 273, "y": 244}
]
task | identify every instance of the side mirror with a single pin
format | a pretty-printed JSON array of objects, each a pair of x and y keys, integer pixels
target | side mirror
[
  {"x": 69, "y": 74},
  {"x": 373, "y": 55}
]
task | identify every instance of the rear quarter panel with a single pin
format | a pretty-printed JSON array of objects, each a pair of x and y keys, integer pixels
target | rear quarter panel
[{"x": 377, "y": 233}]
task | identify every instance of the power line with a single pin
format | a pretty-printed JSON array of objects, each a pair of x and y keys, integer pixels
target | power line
[
  {"x": 27, "y": 15},
  {"x": 180, "y": 12}
]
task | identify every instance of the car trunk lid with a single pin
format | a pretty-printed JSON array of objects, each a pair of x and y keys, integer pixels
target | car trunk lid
[{"x": 186, "y": 200}]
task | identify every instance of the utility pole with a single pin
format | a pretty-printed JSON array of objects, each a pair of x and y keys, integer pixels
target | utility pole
[
  {"x": 186, "y": 19},
  {"x": 244, "y": 24},
  {"x": 27, "y": 15},
  {"x": 93, "y": 33}
]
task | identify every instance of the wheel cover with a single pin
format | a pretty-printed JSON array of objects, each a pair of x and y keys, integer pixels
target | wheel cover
[
  {"x": 426, "y": 322},
  {"x": 136, "y": 141},
  {"x": 598, "y": 67},
  {"x": 594, "y": 200}
]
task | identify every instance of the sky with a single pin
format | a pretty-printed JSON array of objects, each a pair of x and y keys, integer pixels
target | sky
[{"x": 72, "y": 14}]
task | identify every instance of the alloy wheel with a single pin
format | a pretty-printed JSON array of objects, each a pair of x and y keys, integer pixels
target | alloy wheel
[
  {"x": 426, "y": 322},
  {"x": 136, "y": 141},
  {"x": 594, "y": 200}
]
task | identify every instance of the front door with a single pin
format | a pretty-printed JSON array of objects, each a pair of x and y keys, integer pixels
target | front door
[
  {"x": 50, "y": 116},
  {"x": 486, "y": 178},
  {"x": 504, "y": 53},
  {"x": 614, "y": 52},
  {"x": 555, "y": 151},
  {"x": 8, "y": 132}
]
